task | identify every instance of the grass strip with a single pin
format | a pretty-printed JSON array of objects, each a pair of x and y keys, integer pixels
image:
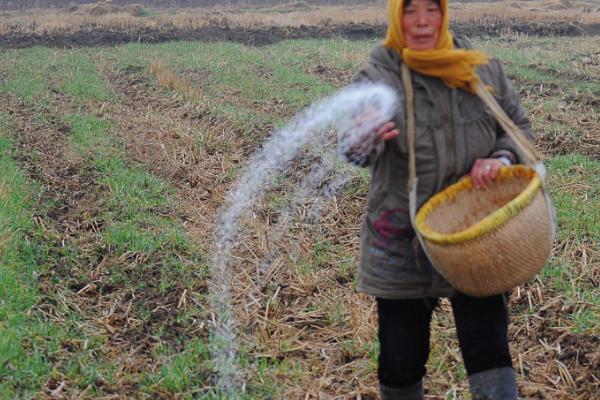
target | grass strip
[
  {"x": 575, "y": 190},
  {"x": 26, "y": 73},
  {"x": 23, "y": 363},
  {"x": 139, "y": 222}
]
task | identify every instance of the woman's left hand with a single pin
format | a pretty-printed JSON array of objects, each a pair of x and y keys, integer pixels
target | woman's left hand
[{"x": 484, "y": 171}]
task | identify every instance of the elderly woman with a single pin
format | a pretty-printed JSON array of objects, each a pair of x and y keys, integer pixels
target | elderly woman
[{"x": 454, "y": 136}]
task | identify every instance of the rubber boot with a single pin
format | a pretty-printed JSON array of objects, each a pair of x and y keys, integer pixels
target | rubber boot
[
  {"x": 413, "y": 392},
  {"x": 494, "y": 384}
]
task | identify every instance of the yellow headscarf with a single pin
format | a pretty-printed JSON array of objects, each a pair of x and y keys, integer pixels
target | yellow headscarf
[{"x": 455, "y": 67}]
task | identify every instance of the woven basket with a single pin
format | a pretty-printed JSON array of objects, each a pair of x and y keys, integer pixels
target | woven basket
[{"x": 487, "y": 241}]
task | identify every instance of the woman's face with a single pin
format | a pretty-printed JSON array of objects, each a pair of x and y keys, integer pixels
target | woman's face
[{"x": 421, "y": 24}]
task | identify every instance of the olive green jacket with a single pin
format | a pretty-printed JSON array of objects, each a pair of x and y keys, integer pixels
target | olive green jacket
[{"x": 452, "y": 130}]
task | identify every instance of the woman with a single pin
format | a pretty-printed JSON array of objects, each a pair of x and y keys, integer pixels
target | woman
[{"x": 454, "y": 136}]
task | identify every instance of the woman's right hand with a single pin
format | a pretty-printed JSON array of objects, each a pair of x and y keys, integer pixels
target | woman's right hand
[
  {"x": 360, "y": 151},
  {"x": 387, "y": 131}
]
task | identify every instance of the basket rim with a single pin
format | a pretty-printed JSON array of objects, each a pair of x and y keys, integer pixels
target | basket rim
[{"x": 490, "y": 222}]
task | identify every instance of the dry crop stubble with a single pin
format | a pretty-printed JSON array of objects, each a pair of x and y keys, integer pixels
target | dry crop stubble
[
  {"x": 304, "y": 309},
  {"x": 303, "y": 320},
  {"x": 172, "y": 82},
  {"x": 5, "y": 234},
  {"x": 281, "y": 306},
  {"x": 305, "y": 331}
]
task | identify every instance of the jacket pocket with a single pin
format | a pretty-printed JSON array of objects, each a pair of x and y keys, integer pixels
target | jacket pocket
[
  {"x": 470, "y": 108},
  {"x": 375, "y": 200},
  {"x": 425, "y": 109},
  {"x": 478, "y": 126},
  {"x": 393, "y": 225},
  {"x": 398, "y": 268},
  {"x": 480, "y": 137}
]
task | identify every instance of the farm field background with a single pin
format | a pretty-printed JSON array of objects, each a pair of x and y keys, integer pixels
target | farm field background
[
  {"x": 260, "y": 22},
  {"x": 115, "y": 160}
]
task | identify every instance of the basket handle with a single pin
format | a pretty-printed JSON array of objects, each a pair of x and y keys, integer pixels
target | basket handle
[
  {"x": 412, "y": 169},
  {"x": 410, "y": 125},
  {"x": 526, "y": 148}
]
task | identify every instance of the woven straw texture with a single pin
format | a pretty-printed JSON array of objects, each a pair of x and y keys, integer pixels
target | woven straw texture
[{"x": 511, "y": 248}]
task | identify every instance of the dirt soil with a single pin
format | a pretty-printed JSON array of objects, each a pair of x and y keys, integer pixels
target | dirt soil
[
  {"x": 272, "y": 34},
  {"x": 70, "y": 185}
]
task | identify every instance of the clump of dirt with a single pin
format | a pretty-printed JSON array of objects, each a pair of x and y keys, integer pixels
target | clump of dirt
[{"x": 337, "y": 77}]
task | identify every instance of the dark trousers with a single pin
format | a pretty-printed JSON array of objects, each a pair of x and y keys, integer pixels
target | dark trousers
[{"x": 481, "y": 325}]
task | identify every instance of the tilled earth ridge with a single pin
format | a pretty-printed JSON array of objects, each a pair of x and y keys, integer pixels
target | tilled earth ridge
[{"x": 273, "y": 34}]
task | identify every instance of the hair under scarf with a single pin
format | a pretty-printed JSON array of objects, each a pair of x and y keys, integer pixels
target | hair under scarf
[{"x": 455, "y": 67}]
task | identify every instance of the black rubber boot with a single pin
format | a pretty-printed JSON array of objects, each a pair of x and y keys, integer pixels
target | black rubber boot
[
  {"x": 494, "y": 384},
  {"x": 413, "y": 392}
]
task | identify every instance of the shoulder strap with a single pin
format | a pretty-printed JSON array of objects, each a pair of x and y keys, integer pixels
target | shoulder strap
[
  {"x": 410, "y": 125},
  {"x": 525, "y": 147}
]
